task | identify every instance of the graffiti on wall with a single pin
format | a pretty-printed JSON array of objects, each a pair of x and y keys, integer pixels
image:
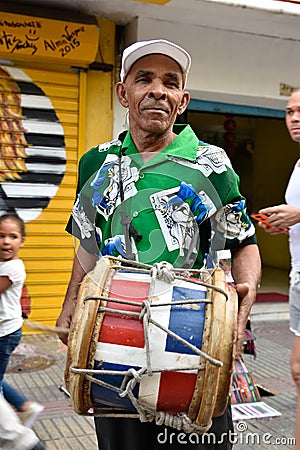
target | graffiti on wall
[
  {"x": 46, "y": 39},
  {"x": 32, "y": 146}
]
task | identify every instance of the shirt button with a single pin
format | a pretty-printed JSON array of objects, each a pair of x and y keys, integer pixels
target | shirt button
[
  {"x": 135, "y": 214},
  {"x": 141, "y": 176}
]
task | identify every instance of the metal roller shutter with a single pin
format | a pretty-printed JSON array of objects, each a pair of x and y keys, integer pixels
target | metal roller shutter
[{"x": 39, "y": 110}]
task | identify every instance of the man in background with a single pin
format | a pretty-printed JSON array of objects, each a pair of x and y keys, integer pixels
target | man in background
[{"x": 286, "y": 218}]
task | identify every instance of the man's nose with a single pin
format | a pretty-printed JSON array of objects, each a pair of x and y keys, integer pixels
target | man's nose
[
  {"x": 296, "y": 116},
  {"x": 157, "y": 90}
]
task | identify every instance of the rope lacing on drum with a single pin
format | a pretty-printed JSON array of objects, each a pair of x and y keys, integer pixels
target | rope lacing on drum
[
  {"x": 136, "y": 378},
  {"x": 145, "y": 318},
  {"x": 180, "y": 421},
  {"x": 163, "y": 271},
  {"x": 177, "y": 273}
]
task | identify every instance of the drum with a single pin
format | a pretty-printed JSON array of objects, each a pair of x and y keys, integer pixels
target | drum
[{"x": 152, "y": 342}]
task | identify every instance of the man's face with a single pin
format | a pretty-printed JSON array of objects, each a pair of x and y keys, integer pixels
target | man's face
[
  {"x": 292, "y": 117},
  {"x": 154, "y": 94}
]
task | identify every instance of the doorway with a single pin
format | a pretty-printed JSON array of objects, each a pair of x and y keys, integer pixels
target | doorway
[{"x": 263, "y": 155}]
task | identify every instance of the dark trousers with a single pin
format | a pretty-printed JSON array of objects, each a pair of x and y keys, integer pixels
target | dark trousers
[
  {"x": 131, "y": 434},
  {"x": 7, "y": 345}
]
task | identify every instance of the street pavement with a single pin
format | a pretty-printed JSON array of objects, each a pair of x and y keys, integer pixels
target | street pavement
[
  {"x": 271, "y": 370},
  {"x": 37, "y": 370}
]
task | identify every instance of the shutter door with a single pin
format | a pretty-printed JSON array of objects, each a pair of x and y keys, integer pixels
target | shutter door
[{"x": 38, "y": 161}]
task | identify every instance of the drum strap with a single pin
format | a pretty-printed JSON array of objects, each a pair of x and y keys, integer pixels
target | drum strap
[
  {"x": 125, "y": 219},
  {"x": 128, "y": 228}
]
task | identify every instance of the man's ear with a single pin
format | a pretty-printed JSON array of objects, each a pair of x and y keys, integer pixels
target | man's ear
[
  {"x": 184, "y": 103},
  {"x": 121, "y": 94}
]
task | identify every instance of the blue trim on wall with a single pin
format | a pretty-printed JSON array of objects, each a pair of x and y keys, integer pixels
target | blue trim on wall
[{"x": 229, "y": 108}]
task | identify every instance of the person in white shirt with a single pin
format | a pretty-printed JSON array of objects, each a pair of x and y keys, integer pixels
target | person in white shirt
[
  {"x": 287, "y": 217},
  {"x": 12, "y": 277}
]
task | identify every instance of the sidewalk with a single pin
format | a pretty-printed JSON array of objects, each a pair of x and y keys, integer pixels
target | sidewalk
[
  {"x": 271, "y": 369},
  {"x": 37, "y": 370}
]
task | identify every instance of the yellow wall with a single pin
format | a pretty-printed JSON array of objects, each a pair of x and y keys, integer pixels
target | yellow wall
[
  {"x": 87, "y": 120},
  {"x": 100, "y": 85}
]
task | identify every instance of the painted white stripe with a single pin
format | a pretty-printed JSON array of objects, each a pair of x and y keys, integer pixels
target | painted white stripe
[
  {"x": 33, "y": 126},
  {"x": 29, "y": 214},
  {"x": 149, "y": 390},
  {"x": 17, "y": 74},
  {"x": 29, "y": 190},
  {"x": 36, "y": 102},
  {"x": 46, "y": 168},
  {"x": 135, "y": 356},
  {"x": 132, "y": 276},
  {"x": 58, "y": 152}
]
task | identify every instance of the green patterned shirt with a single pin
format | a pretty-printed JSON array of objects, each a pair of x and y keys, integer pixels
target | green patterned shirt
[{"x": 181, "y": 204}]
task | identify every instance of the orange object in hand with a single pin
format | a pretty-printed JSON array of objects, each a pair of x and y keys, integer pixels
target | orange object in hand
[{"x": 263, "y": 219}]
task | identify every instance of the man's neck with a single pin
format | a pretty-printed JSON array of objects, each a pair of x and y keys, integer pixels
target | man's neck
[{"x": 149, "y": 144}]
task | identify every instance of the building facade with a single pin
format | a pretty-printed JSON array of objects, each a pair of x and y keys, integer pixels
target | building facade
[{"x": 58, "y": 69}]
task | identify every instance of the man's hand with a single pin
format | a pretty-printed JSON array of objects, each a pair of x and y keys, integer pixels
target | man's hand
[
  {"x": 246, "y": 300},
  {"x": 65, "y": 318}
]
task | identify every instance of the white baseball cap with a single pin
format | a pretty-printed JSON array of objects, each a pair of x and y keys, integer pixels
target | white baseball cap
[{"x": 143, "y": 48}]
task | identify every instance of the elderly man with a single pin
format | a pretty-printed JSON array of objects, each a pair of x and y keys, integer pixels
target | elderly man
[
  {"x": 286, "y": 218},
  {"x": 155, "y": 194}
]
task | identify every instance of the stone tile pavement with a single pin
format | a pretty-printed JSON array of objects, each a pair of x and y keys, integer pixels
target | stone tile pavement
[
  {"x": 37, "y": 370},
  {"x": 271, "y": 370}
]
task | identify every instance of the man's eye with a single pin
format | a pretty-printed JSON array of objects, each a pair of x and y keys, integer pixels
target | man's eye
[{"x": 173, "y": 85}]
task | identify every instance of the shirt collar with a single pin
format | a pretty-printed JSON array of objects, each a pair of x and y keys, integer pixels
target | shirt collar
[{"x": 184, "y": 146}]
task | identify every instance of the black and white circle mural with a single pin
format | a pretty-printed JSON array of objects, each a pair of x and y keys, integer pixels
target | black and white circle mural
[{"x": 32, "y": 146}]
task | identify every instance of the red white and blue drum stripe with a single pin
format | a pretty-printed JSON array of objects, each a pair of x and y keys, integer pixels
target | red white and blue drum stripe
[{"x": 121, "y": 343}]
